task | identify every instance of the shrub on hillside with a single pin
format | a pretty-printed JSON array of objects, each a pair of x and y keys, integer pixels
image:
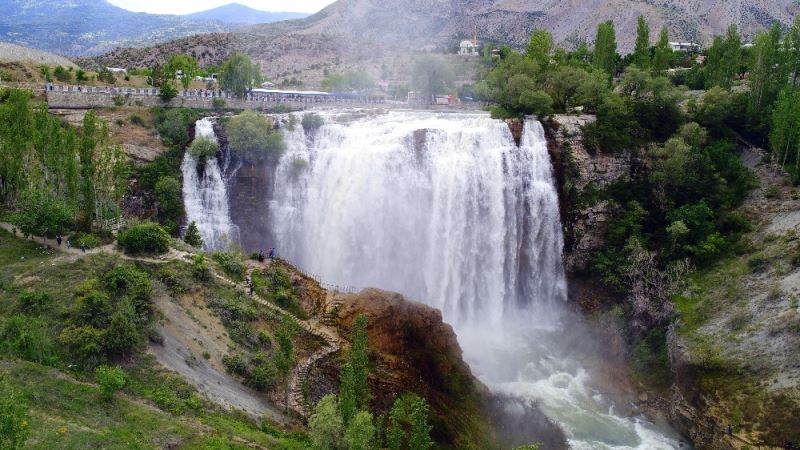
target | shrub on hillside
[
  {"x": 169, "y": 200},
  {"x": 173, "y": 125},
  {"x": 144, "y": 238},
  {"x": 110, "y": 380},
  {"x": 231, "y": 263}
]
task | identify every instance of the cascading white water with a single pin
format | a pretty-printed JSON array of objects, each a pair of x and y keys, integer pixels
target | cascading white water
[
  {"x": 205, "y": 195},
  {"x": 446, "y": 209}
]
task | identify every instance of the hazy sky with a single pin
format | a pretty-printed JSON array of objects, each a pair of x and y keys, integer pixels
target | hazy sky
[{"x": 190, "y": 6}]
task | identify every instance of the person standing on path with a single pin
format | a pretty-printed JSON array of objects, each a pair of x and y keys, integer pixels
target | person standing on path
[{"x": 58, "y": 239}]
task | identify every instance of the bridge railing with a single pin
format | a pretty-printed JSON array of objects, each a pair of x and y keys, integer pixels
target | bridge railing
[
  {"x": 340, "y": 288},
  {"x": 219, "y": 94}
]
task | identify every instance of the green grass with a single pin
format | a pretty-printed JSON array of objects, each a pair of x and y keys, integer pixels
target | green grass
[{"x": 64, "y": 413}]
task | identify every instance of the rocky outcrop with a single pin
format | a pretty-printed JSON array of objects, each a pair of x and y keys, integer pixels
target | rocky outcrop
[
  {"x": 413, "y": 350},
  {"x": 581, "y": 174}
]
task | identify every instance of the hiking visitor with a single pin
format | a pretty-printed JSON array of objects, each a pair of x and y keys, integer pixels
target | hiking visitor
[{"x": 58, "y": 239}]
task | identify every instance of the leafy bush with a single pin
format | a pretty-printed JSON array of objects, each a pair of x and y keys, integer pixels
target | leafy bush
[
  {"x": 312, "y": 122},
  {"x": 63, "y": 75},
  {"x": 119, "y": 101},
  {"x": 218, "y": 103},
  {"x": 144, "y": 238},
  {"x": 167, "y": 92},
  {"x": 32, "y": 302},
  {"x": 137, "y": 120},
  {"x": 110, "y": 380},
  {"x": 173, "y": 125},
  {"x": 87, "y": 240},
  {"x": 250, "y": 134},
  {"x": 203, "y": 148},
  {"x": 231, "y": 263},
  {"x": 263, "y": 374},
  {"x": 235, "y": 364},
  {"x": 200, "y": 268},
  {"x": 28, "y": 338}
]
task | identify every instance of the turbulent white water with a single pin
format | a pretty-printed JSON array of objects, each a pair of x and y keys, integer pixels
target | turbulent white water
[
  {"x": 205, "y": 196},
  {"x": 446, "y": 209}
]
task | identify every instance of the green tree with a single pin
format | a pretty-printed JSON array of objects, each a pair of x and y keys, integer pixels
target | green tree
[
  {"x": 767, "y": 76},
  {"x": 192, "y": 236},
  {"x": 123, "y": 333},
  {"x": 110, "y": 380},
  {"x": 724, "y": 58},
  {"x": 250, "y": 134},
  {"x": 325, "y": 425},
  {"x": 408, "y": 424},
  {"x": 663, "y": 54},
  {"x": 420, "y": 434},
  {"x": 186, "y": 65},
  {"x": 714, "y": 108},
  {"x": 284, "y": 357},
  {"x": 169, "y": 201},
  {"x": 785, "y": 135},
  {"x": 40, "y": 214},
  {"x": 239, "y": 74},
  {"x": 13, "y": 417},
  {"x": 144, "y": 238},
  {"x": 431, "y": 75},
  {"x": 361, "y": 433},
  {"x": 540, "y": 47},
  {"x": 605, "y": 49},
  {"x": 791, "y": 48},
  {"x": 87, "y": 148},
  {"x": 641, "y": 53},
  {"x": 63, "y": 75},
  {"x": 167, "y": 91}
]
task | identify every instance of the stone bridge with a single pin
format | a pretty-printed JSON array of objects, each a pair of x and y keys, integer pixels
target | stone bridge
[{"x": 85, "y": 97}]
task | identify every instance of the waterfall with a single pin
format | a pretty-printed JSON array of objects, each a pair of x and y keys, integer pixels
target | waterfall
[
  {"x": 447, "y": 210},
  {"x": 205, "y": 194}
]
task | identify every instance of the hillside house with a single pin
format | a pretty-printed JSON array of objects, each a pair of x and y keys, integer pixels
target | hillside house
[{"x": 468, "y": 48}]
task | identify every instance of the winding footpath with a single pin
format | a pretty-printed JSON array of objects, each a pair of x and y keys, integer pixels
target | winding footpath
[{"x": 321, "y": 329}]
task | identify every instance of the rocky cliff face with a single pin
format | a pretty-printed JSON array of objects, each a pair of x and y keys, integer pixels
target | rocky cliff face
[
  {"x": 580, "y": 174},
  {"x": 413, "y": 350}
]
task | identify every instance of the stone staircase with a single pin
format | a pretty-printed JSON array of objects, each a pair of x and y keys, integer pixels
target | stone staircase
[{"x": 322, "y": 330}]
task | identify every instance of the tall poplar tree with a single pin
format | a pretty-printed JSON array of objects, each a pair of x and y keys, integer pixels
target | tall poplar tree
[
  {"x": 663, "y": 54},
  {"x": 605, "y": 49},
  {"x": 641, "y": 53}
]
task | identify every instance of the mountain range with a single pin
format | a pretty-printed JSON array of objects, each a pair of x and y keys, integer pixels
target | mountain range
[
  {"x": 235, "y": 13},
  {"x": 91, "y": 27},
  {"x": 350, "y": 31}
]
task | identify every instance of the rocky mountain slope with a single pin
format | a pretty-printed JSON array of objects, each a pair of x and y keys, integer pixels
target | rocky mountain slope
[{"x": 355, "y": 30}]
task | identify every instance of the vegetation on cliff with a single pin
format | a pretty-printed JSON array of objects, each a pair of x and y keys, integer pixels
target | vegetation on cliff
[{"x": 679, "y": 205}]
